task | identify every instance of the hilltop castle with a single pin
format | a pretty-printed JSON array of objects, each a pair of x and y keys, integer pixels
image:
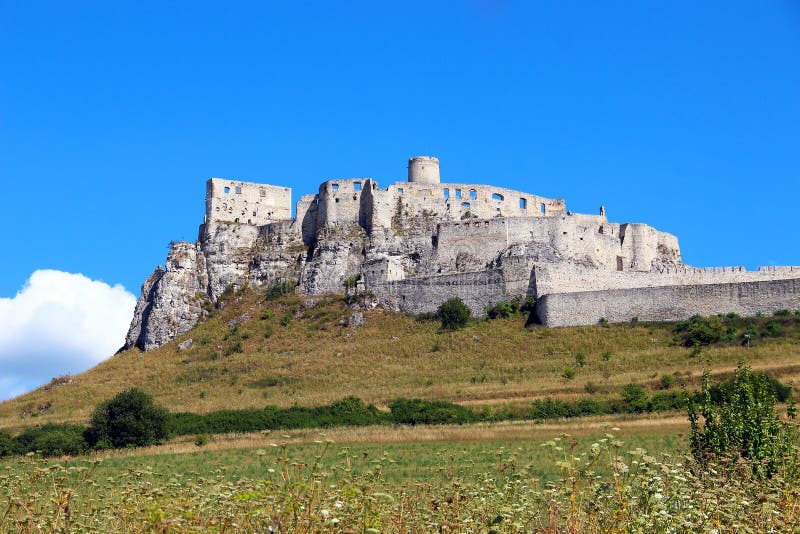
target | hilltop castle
[{"x": 415, "y": 244}]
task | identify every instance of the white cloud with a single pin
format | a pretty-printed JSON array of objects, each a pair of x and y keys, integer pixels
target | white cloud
[{"x": 59, "y": 323}]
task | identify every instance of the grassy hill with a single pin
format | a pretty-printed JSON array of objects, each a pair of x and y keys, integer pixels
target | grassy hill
[{"x": 293, "y": 350}]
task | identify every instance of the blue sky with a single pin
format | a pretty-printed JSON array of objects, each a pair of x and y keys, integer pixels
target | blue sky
[{"x": 684, "y": 115}]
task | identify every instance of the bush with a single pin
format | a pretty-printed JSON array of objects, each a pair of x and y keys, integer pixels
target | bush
[
  {"x": 424, "y": 412},
  {"x": 700, "y": 331},
  {"x": 744, "y": 424},
  {"x": 635, "y": 398},
  {"x": 7, "y": 445},
  {"x": 503, "y": 309},
  {"x": 129, "y": 419},
  {"x": 666, "y": 381},
  {"x": 454, "y": 314},
  {"x": 52, "y": 440},
  {"x": 279, "y": 290}
]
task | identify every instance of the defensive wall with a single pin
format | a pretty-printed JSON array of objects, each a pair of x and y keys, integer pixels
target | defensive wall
[
  {"x": 568, "y": 277},
  {"x": 672, "y": 303},
  {"x": 246, "y": 202},
  {"x": 425, "y": 294}
]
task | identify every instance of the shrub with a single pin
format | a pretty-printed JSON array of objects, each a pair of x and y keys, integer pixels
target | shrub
[
  {"x": 700, "y": 331},
  {"x": 503, "y": 309},
  {"x": 606, "y": 355},
  {"x": 724, "y": 392},
  {"x": 52, "y": 440},
  {"x": 454, "y": 314},
  {"x": 666, "y": 381},
  {"x": 744, "y": 424},
  {"x": 590, "y": 387},
  {"x": 279, "y": 290},
  {"x": 7, "y": 445},
  {"x": 201, "y": 440},
  {"x": 580, "y": 359},
  {"x": 131, "y": 418},
  {"x": 419, "y": 412},
  {"x": 568, "y": 373},
  {"x": 635, "y": 397}
]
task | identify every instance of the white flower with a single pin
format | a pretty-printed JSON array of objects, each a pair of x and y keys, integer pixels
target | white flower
[
  {"x": 337, "y": 504},
  {"x": 324, "y": 513}
]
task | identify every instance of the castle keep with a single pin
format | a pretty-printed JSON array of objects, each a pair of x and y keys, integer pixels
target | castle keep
[{"x": 416, "y": 243}]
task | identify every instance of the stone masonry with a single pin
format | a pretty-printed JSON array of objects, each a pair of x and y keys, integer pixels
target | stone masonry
[{"x": 416, "y": 243}]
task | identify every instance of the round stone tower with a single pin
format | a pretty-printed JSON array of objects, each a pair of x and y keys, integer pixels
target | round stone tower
[{"x": 423, "y": 169}]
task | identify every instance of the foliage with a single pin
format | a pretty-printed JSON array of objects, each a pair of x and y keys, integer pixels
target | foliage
[
  {"x": 454, "y": 314},
  {"x": 281, "y": 289},
  {"x": 50, "y": 440},
  {"x": 503, "y": 309},
  {"x": 700, "y": 331},
  {"x": 418, "y": 412},
  {"x": 131, "y": 418},
  {"x": 743, "y": 423},
  {"x": 346, "y": 412}
]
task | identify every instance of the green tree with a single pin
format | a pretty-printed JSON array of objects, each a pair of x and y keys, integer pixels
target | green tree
[
  {"x": 454, "y": 314},
  {"x": 131, "y": 418},
  {"x": 742, "y": 424}
]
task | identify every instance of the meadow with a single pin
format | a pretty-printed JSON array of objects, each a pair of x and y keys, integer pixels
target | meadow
[{"x": 603, "y": 478}]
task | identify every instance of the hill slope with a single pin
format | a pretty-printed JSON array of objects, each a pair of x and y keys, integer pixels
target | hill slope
[{"x": 256, "y": 351}]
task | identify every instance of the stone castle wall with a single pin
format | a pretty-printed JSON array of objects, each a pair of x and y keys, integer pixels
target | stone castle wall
[
  {"x": 567, "y": 277},
  {"x": 246, "y": 202},
  {"x": 668, "y": 303}
]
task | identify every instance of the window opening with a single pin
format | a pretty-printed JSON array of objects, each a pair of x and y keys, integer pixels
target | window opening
[
  {"x": 473, "y": 194},
  {"x": 497, "y": 196},
  {"x": 458, "y": 193},
  {"x": 238, "y": 190},
  {"x": 446, "y": 193},
  {"x": 465, "y": 204},
  {"x": 335, "y": 187},
  {"x": 357, "y": 186},
  {"x": 523, "y": 204},
  {"x": 542, "y": 208},
  {"x": 227, "y": 189}
]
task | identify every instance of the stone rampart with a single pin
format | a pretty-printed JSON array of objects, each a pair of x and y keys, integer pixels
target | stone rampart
[
  {"x": 425, "y": 294},
  {"x": 668, "y": 303},
  {"x": 569, "y": 277}
]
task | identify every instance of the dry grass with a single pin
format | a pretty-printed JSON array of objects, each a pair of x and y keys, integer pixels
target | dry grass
[{"x": 315, "y": 359}]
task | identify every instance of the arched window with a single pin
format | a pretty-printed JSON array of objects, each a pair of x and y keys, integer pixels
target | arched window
[
  {"x": 473, "y": 194},
  {"x": 542, "y": 208},
  {"x": 227, "y": 189},
  {"x": 446, "y": 193},
  {"x": 465, "y": 205},
  {"x": 497, "y": 196},
  {"x": 335, "y": 187},
  {"x": 523, "y": 204}
]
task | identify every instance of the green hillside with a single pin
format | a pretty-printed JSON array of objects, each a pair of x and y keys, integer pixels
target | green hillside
[{"x": 296, "y": 351}]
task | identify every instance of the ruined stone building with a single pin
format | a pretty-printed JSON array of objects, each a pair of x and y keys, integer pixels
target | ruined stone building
[{"x": 416, "y": 243}]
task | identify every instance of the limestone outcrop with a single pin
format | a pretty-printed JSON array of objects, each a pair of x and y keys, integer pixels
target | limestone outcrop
[{"x": 414, "y": 244}]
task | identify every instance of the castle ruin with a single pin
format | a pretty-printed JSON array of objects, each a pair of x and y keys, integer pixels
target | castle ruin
[{"x": 414, "y": 244}]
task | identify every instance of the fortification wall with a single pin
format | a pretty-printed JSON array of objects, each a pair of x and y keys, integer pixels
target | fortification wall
[
  {"x": 340, "y": 202},
  {"x": 456, "y": 201},
  {"x": 425, "y": 294},
  {"x": 246, "y": 202},
  {"x": 668, "y": 303},
  {"x": 568, "y": 277}
]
